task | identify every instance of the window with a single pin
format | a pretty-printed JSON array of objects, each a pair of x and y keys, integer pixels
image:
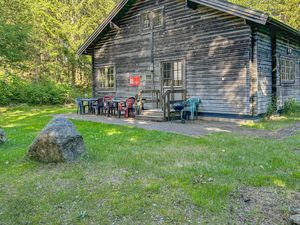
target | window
[
  {"x": 177, "y": 73},
  {"x": 167, "y": 74},
  {"x": 172, "y": 73},
  {"x": 158, "y": 18},
  {"x": 152, "y": 19},
  {"x": 146, "y": 21},
  {"x": 287, "y": 70},
  {"x": 106, "y": 77}
]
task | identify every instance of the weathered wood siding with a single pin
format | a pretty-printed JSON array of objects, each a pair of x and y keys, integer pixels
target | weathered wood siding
[
  {"x": 216, "y": 48},
  {"x": 263, "y": 59},
  {"x": 286, "y": 91},
  {"x": 263, "y": 63}
]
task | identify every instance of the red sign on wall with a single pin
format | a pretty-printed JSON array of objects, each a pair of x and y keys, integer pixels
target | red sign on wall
[{"x": 135, "y": 81}]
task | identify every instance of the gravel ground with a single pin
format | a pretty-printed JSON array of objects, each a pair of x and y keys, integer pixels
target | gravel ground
[{"x": 191, "y": 128}]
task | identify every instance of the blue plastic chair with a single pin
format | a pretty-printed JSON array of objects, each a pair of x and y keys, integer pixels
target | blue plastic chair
[
  {"x": 191, "y": 106},
  {"x": 98, "y": 108},
  {"x": 80, "y": 106}
]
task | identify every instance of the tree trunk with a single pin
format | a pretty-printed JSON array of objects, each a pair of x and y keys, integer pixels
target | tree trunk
[
  {"x": 5, "y": 74},
  {"x": 37, "y": 68},
  {"x": 73, "y": 75}
]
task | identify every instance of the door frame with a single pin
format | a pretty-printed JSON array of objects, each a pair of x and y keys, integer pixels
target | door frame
[{"x": 172, "y": 87}]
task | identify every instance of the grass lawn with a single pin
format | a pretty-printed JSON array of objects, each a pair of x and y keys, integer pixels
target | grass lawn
[
  {"x": 133, "y": 176},
  {"x": 274, "y": 123}
]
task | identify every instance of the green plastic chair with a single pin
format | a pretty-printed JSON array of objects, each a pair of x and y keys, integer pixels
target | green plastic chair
[{"x": 191, "y": 106}]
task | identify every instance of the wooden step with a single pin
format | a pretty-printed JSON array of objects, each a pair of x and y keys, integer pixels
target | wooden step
[
  {"x": 153, "y": 115},
  {"x": 152, "y": 112},
  {"x": 150, "y": 118}
]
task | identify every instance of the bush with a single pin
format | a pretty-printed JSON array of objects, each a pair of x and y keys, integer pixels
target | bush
[
  {"x": 290, "y": 107},
  {"x": 15, "y": 90},
  {"x": 272, "y": 108}
]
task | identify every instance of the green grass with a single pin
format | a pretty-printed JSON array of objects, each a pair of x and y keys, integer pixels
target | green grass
[
  {"x": 274, "y": 123},
  {"x": 133, "y": 176}
]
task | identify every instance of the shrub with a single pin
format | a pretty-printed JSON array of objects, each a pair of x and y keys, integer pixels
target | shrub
[
  {"x": 44, "y": 93},
  {"x": 16, "y": 90},
  {"x": 290, "y": 107},
  {"x": 272, "y": 108}
]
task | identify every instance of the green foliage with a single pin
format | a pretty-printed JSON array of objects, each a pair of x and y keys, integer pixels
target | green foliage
[
  {"x": 17, "y": 90},
  {"x": 288, "y": 11},
  {"x": 14, "y": 46},
  {"x": 15, "y": 33},
  {"x": 39, "y": 39},
  {"x": 272, "y": 108},
  {"x": 290, "y": 107}
]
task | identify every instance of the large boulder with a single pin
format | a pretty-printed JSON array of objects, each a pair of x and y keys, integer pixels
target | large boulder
[
  {"x": 59, "y": 141},
  {"x": 2, "y": 136},
  {"x": 295, "y": 219}
]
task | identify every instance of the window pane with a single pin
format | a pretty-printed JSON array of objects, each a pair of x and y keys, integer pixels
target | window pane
[
  {"x": 175, "y": 66},
  {"x": 103, "y": 78},
  {"x": 107, "y": 77},
  {"x": 175, "y": 75},
  {"x": 172, "y": 73},
  {"x": 146, "y": 20},
  {"x": 178, "y": 73},
  {"x": 292, "y": 71},
  {"x": 167, "y": 74},
  {"x": 157, "y": 18},
  {"x": 111, "y": 77},
  {"x": 100, "y": 78},
  {"x": 287, "y": 70}
]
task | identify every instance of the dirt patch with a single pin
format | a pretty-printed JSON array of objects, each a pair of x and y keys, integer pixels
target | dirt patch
[{"x": 262, "y": 206}]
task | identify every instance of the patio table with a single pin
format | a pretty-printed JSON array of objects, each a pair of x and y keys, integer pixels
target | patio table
[
  {"x": 118, "y": 101},
  {"x": 90, "y": 102}
]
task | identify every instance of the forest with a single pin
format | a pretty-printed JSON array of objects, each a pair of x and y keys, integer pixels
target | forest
[{"x": 39, "y": 40}]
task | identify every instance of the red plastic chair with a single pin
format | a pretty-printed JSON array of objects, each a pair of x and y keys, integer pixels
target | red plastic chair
[{"x": 128, "y": 107}]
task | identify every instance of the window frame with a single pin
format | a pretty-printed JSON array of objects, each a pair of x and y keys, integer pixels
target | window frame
[
  {"x": 142, "y": 20},
  {"x": 161, "y": 10},
  {"x": 172, "y": 70},
  {"x": 289, "y": 64},
  {"x": 100, "y": 81},
  {"x": 151, "y": 13}
]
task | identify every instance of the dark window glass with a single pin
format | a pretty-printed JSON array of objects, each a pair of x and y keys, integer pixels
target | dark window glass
[
  {"x": 167, "y": 74},
  {"x": 106, "y": 77}
]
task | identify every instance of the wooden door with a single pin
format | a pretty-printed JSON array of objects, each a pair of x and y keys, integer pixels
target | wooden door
[{"x": 172, "y": 77}]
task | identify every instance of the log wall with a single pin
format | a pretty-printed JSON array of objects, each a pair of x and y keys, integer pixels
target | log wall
[
  {"x": 263, "y": 62},
  {"x": 215, "y": 46},
  {"x": 286, "y": 91}
]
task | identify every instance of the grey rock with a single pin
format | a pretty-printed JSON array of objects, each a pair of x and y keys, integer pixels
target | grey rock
[
  {"x": 294, "y": 211},
  {"x": 59, "y": 141},
  {"x": 3, "y": 137},
  {"x": 295, "y": 219}
]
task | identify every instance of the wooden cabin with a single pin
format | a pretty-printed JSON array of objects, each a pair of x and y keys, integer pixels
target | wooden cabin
[{"x": 235, "y": 59}]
